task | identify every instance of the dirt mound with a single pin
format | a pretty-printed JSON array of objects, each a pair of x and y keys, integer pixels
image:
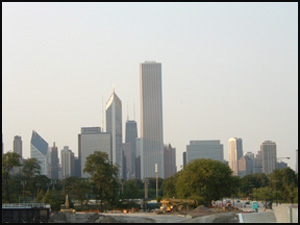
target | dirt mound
[{"x": 202, "y": 208}]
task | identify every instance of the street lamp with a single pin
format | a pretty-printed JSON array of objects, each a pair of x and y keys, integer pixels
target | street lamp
[{"x": 276, "y": 175}]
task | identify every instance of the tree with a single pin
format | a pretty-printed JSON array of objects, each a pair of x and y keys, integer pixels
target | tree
[
  {"x": 9, "y": 160},
  {"x": 284, "y": 182},
  {"x": 169, "y": 186},
  {"x": 251, "y": 181},
  {"x": 103, "y": 174},
  {"x": 205, "y": 180},
  {"x": 77, "y": 188},
  {"x": 31, "y": 168}
]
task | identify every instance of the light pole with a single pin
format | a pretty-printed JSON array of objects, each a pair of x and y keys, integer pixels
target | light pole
[{"x": 276, "y": 175}]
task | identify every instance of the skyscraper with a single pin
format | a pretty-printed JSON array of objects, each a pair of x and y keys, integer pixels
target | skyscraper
[
  {"x": 18, "y": 145},
  {"x": 235, "y": 153},
  {"x": 53, "y": 162},
  {"x": 114, "y": 127},
  {"x": 67, "y": 162},
  {"x": 170, "y": 161},
  {"x": 211, "y": 149},
  {"x": 90, "y": 140},
  {"x": 39, "y": 151},
  {"x": 130, "y": 138},
  {"x": 151, "y": 119},
  {"x": 269, "y": 156}
]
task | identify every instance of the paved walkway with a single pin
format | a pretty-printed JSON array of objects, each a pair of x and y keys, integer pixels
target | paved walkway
[{"x": 260, "y": 217}]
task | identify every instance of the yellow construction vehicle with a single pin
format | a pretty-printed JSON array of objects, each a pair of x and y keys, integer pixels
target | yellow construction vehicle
[{"x": 176, "y": 205}]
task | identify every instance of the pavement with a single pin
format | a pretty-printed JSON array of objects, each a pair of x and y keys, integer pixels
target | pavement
[{"x": 260, "y": 217}]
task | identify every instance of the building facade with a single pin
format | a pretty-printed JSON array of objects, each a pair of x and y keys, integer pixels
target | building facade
[
  {"x": 151, "y": 119},
  {"x": 235, "y": 153},
  {"x": 18, "y": 148},
  {"x": 39, "y": 150},
  {"x": 67, "y": 162},
  {"x": 245, "y": 166},
  {"x": 90, "y": 140},
  {"x": 211, "y": 149},
  {"x": 170, "y": 161},
  {"x": 54, "y": 162},
  {"x": 17, "y": 144},
  {"x": 130, "y": 138},
  {"x": 257, "y": 165},
  {"x": 114, "y": 127},
  {"x": 269, "y": 156}
]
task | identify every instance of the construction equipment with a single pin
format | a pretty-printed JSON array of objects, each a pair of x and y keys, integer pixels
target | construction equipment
[
  {"x": 176, "y": 205},
  {"x": 65, "y": 207}
]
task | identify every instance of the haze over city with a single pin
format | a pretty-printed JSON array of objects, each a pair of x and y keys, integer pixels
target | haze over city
[{"x": 228, "y": 70}]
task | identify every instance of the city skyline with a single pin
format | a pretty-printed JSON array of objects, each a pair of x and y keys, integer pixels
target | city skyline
[{"x": 228, "y": 70}]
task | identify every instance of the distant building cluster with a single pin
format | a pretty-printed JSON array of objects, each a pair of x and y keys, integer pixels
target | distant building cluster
[{"x": 145, "y": 155}]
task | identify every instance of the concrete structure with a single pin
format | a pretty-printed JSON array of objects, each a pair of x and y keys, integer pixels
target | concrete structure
[
  {"x": 151, "y": 119},
  {"x": 170, "y": 161},
  {"x": 130, "y": 138},
  {"x": 235, "y": 153},
  {"x": 39, "y": 150},
  {"x": 114, "y": 127},
  {"x": 286, "y": 213},
  {"x": 269, "y": 156},
  {"x": 90, "y": 140},
  {"x": 211, "y": 149},
  {"x": 53, "y": 169},
  {"x": 67, "y": 162}
]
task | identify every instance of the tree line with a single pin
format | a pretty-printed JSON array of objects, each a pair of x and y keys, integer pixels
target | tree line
[{"x": 203, "y": 180}]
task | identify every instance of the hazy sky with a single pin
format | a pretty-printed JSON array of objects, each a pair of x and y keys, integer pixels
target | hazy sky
[{"x": 228, "y": 70}]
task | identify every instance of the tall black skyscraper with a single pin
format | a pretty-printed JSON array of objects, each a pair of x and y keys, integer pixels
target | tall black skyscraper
[{"x": 130, "y": 137}]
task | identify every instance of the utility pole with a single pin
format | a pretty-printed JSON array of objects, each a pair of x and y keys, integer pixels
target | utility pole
[{"x": 146, "y": 188}]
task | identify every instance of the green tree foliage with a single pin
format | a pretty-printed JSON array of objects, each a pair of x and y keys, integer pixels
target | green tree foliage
[
  {"x": 133, "y": 189},
  {"x": 103, "y": 174},
  {"x": 9, "y": 160},
  {"x": 77, "y": 188},
  {"x": 168, "y": 186},
  {"x": 30, "y": 170},
  {"x": 284, "y": 181},
  {"x": 253, "y": 181},
  {"x": 205, "y": 180}
]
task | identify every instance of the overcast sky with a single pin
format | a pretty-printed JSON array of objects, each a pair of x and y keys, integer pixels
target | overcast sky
[{"x": 228, "y": 70}]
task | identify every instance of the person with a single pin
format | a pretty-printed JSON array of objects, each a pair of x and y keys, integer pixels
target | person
[{"x": 265, "y": 206}]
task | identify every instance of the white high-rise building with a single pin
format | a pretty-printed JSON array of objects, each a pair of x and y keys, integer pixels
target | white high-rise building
[
  {"x": 67, "y": 162},
  {"x": 269, "y": 156},
  {"x": 235, "y": 153},
  {"x": 151, "y": 119},
  {"x": 114, "y": 127},
  {"x": 90, "y": 140}
]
